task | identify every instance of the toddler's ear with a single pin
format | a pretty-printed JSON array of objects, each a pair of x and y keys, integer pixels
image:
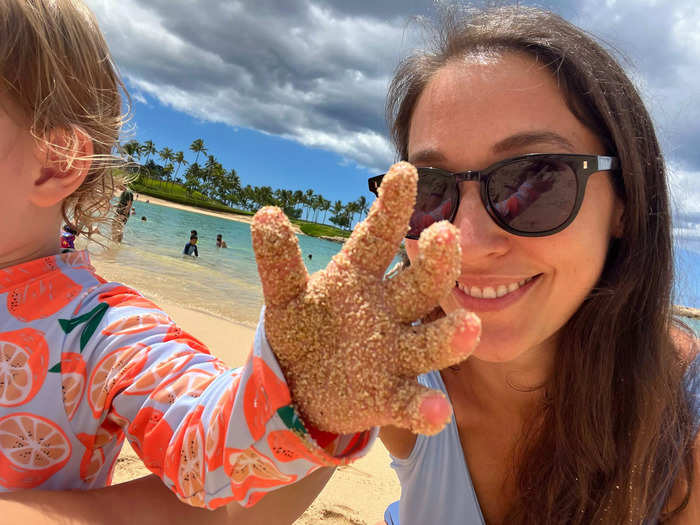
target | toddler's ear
[{"x": 65, "y": 158}]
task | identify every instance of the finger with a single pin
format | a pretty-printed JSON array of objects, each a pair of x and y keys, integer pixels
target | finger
[
  {"x": 280, "y": 265},
  {"x": 375, "y": 240},
  {"x": 420, "y": 409},
  {"x": 415, "y": 291},
  {"x": 439, "y": 344}
]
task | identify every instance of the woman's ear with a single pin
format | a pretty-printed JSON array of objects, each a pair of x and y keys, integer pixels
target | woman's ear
[
  {"x": 65, "y": 158},
  {"x": 618, "y": 219}
]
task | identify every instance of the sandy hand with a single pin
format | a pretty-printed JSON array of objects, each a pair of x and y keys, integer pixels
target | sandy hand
[{"x": 343, "y": 336}]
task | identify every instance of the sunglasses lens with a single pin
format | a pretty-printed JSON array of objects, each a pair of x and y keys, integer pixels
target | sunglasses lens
[
  {"x": 436, "y": 200},
  {"x": 533, "y": 195}
]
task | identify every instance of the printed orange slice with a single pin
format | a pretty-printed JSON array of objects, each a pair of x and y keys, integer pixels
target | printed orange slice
[
  {"x": 125, "y": 296},
  {"x": 288, "y": 446},
  {"x": 192, "y": 383},
  {"x": 175, "y": 333},
  {"x": 157, "y": 374},
  {"x": 114, "y": 372},
  {"x": 152, "y": 435},
  {"x": 264, "y": 394},
  {"x": 42, "y": 297},
  {"x": 218, "y": 425},
  {"x": 91, "y": 463},
  {"x": 24, "y": 358},
  {"x": 32, "y": 449},
  {"x": 136, "y": 324},
  {"x": 73, "y": 380},
  {"x": 189, "y": 477},
  {"x": 250, "y": 469}
]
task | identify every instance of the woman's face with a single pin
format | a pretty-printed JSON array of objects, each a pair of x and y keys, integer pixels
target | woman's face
[{"x": 472, "y": 114}]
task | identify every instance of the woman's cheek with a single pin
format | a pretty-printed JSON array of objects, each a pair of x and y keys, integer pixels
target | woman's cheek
[{"x": 412, "y": 249}]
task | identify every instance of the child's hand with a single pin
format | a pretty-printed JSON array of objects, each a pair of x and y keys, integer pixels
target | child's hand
[{"x": 344, "y": 337}]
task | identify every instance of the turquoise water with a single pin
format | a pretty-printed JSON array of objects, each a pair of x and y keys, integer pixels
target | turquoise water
[{"x": 224, "y": 282}]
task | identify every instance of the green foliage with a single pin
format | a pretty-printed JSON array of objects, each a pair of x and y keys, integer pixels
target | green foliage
[
  {"x": 209, "y": 185},
  {"x": 320, "y": 230},
  {"x": 176, "y": 193}
]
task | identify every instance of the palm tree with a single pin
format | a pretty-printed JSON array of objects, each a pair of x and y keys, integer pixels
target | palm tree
[
  {"x": 198, "y": 147},
  {"x": 132, "y": 149},
  {"x": 362, "y": 206},
  {"x": 166, "y": 154},
  {"x": 167, "y": 173},
  {"x": 149, "y": 149},
  {"x": 308, "y": 199},
  {"x": 316, "y": 204},
  {"x": 179, "y": 159},
  {"x": 325, "y": 206},
  {"x": 340, "y": 215},
  {"x": 351, "y": 210}
]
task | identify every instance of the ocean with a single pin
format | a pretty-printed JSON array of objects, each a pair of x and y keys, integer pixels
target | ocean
[{"x": 224, "y": 282}]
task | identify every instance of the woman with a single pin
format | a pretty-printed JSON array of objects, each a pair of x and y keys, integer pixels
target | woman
[{"x": 576, "y": 405}]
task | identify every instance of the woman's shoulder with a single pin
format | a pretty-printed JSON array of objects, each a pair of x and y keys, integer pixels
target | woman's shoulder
[{"x": 685, "y": 341}]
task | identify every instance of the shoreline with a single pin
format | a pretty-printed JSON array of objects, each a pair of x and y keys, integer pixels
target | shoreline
[{"x": 142, "y": 197}]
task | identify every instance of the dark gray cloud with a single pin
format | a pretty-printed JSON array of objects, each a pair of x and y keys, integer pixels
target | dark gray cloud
[{"x": 316, "y": 71}]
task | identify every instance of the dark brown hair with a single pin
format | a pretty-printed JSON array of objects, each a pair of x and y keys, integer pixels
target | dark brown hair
[{"x": 615, "y": 430}]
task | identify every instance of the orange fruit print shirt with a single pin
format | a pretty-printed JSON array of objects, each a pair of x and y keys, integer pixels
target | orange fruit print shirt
[{"x": 85, "y": 364}]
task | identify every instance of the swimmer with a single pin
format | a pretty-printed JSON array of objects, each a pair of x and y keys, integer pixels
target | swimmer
[{"x": 191, "y": 247}]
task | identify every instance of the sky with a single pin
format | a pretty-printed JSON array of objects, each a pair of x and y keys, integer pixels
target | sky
[{"x": 291, "y": 93}]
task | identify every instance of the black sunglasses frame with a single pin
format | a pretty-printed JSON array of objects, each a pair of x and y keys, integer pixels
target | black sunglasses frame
[{"x": 583, "y": 167}]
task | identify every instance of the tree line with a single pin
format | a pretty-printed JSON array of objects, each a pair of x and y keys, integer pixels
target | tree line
[{"x": 224, "y": 185}]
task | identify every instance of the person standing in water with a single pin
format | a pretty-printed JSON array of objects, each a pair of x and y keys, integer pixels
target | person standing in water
[{"x": 191, "y": 247}]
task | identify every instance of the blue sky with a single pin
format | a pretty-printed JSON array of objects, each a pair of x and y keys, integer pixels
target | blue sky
[
  {"x": 258, "y": 158},
  {"x": 290, "y": 93}
]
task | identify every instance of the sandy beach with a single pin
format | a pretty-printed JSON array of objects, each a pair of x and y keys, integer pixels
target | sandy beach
[
  {"x": 356, "y": 494},
  {"x": 228, "y": 216}
]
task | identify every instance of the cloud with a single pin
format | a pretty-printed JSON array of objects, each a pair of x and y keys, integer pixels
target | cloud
[
  {"x": 299, "y": 70},
  {"x": 316, "y": 71}
]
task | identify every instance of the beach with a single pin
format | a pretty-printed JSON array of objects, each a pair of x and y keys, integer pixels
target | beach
[
  {"x": 356, "y": 495},
  {"x": 228, "y": 216}
]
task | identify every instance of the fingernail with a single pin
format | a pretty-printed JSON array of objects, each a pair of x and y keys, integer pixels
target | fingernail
[
  {"x": 466, "y": 335},
  {"x": 435, "y": 409}
]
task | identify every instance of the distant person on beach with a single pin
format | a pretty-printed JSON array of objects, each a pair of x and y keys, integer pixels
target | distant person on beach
[
  {"x": 191, "y": 247},
  {"x": 122, "y": 214},
  {"x": 94, "y": 362},
  {"x": 68, "y": 237},
  {"x": 220, "y": 242}
]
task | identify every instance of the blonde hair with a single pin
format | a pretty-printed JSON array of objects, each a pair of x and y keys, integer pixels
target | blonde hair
[{"x": 55, "y": 66}]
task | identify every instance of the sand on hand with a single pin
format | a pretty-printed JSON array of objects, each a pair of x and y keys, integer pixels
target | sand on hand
[{"x": 356, "y": 495}]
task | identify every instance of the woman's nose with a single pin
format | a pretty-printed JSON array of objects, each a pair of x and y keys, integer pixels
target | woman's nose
[{"x": 480, "y": 236}]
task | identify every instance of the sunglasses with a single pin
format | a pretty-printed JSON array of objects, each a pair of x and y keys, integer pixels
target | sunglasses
[{"x": 531, "y": 196}]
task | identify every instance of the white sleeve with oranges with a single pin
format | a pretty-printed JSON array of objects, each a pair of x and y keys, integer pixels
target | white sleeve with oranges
[{"x": 211, "y": 433}]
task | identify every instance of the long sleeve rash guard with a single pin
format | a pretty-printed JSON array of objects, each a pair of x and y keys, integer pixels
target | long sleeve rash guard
[{"x": 85, "y": 364}]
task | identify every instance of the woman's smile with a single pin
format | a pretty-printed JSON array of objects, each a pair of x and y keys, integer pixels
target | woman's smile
[{"x": 486, "y": 298}]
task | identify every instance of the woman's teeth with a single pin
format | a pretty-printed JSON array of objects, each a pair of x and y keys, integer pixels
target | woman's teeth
[{"x": 490, "y": 292}]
